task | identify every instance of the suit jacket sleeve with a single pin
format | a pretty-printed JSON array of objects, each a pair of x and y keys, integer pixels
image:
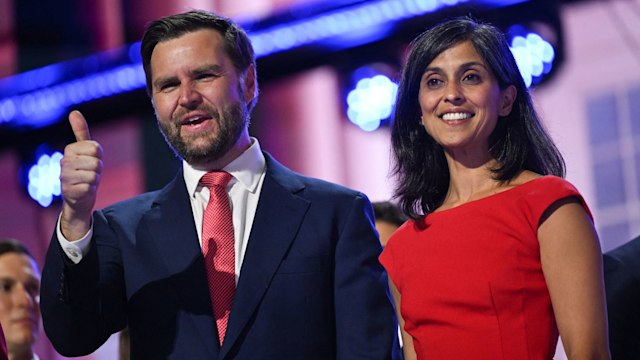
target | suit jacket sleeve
[
  {"x": 82, "y": 306},
  {"x": 622, "y": 284},
  {"x": 365, "y": 320}
]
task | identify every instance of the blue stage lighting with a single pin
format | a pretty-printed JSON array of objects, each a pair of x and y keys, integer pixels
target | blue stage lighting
[
  {"x": 362, "y": 20},
  {"x": 534, "y": 55},
  {"x": 44, "y": 106},
  {"x": 7, "y": 110},
  {"x": 371, "y": 101},
  {"x": 26, "y": 99},
  {"x": 43, "y": 179}
]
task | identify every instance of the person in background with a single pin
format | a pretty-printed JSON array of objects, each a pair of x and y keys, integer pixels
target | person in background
[
  {"x": 500, "y": 254},
  {"x": 622, "y": 284},
  {"x": 19, "y": 299},
  {"x": 238, "y": 257},
  {"x": 388, "y": 219},
  {"x": 124, "y": 348},
  {"x": 3, "y": 345}
]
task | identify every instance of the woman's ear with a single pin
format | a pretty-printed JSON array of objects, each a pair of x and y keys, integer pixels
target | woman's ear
[{"x": 508, "y": 97}]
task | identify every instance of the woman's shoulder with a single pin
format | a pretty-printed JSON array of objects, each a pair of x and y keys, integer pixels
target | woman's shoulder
[
  {"x": 542, "y": 191},
  {"x": 547, "y": 183},
  {"x": 524, "y": 177},
  {"x": 407, "y": 230}
]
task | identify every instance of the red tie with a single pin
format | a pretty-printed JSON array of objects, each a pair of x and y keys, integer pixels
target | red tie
[{"x": 218, "y": 248}]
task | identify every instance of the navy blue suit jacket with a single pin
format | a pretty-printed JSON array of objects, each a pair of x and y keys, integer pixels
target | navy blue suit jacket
[
  {"x": 310, "y": 286},
  {"x": 622, "y": 285}
]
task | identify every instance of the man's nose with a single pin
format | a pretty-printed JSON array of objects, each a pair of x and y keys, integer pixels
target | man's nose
[
  {"x": 189, "y": 96},
  {"x": 22, "y": 297}
]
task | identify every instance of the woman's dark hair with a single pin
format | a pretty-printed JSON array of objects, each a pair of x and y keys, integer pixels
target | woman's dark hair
[
  {"x": 236, "y": 42},
  {"x": 519, "y": 141}
]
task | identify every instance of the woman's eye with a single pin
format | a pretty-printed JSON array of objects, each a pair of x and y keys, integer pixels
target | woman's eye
[
  {"x": 432, "y": 83},
  {"x": 471, "y": 78}
]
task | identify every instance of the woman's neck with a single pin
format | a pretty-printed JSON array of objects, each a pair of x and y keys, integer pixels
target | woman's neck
[{"x": 470, "y": 181}]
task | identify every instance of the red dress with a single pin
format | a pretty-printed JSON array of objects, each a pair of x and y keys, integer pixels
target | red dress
[{"x": 471, "y": 283}]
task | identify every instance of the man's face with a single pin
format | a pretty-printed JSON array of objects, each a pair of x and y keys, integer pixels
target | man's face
[
  {"x": 19, "y": 300},
  {"x": 199, "y": 98}
]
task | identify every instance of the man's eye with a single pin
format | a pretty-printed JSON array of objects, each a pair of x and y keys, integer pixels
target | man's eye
[
  {"x": 5, "y": 287},
  {"x": 33, "y": 288},
  {"x": 205, "y": 76},
  {"x": 165, "y": 87}
]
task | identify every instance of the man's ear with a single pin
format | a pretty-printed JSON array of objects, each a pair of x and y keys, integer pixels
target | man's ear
[
  {"x": 250, "y": 84},
  {"x": 508, "y": 97}
]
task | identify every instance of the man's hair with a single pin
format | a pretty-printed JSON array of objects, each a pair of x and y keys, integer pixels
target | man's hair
[
  {"x": 13, "y": 246},
  {"x": 236, "y": 42}
]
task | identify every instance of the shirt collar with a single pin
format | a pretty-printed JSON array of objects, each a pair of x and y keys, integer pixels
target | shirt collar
[{"x": 246, "y": 169}]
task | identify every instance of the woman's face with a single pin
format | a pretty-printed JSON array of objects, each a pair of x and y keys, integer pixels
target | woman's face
[{"x": 461, "y": 100}]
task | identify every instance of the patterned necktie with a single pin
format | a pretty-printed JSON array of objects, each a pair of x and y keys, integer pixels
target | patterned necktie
[{"x": 218, "y": 248}]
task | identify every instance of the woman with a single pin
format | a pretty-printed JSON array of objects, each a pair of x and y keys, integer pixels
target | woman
[{"x": 500, "y": 253}]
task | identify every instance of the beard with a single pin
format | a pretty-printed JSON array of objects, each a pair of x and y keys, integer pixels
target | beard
[{"x": 231, "y": 121}]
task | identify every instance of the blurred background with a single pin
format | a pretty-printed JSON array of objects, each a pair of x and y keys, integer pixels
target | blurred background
[{"x": 327, "y": 71}]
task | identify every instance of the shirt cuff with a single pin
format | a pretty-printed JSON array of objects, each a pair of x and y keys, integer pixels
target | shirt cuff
[{"x": 78, "y": 248}]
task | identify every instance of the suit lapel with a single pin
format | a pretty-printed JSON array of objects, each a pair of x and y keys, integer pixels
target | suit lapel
[
  {"x": 170, "y": 223},
  {"x": 278, "y": 217}
]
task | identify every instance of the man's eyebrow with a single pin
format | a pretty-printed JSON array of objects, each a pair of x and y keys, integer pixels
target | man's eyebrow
[
  {"x": 161, "y": 81},
  {"x": 215, "y": 68},
  {"x": 207, "y": 68}
]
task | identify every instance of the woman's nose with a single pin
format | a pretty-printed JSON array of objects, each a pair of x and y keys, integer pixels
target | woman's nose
[{"x": 453, "y": 93}]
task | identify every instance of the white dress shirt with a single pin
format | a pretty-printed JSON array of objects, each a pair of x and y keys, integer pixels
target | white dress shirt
[{"x": 248, "y": 171}]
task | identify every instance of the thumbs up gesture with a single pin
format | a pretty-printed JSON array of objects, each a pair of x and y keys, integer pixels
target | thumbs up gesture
[{"x": 80, "y": 170}]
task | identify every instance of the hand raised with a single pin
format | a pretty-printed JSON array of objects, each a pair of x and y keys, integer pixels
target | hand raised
[{"x": 80, "y": 171}]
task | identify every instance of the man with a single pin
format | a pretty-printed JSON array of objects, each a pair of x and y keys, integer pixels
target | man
[
  {"x": 303, "y": 281},
  {"x": 622, "y": 285},
  {"x": 19, "y": 294},
  {"x": 3, "y": 346}
]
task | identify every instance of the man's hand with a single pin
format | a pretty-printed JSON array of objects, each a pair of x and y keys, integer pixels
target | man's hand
[{"x": 80, "y": 170}]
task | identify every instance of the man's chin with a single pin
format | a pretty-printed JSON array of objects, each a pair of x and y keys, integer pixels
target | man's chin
[
  {"x": 23, "y": 336},
  {"x": 200, "y": 158}
]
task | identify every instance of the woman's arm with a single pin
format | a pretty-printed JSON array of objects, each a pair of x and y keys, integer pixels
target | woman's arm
[
  {"x": 407, "y": 341},
  {"x": 572, "y": 266}
]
